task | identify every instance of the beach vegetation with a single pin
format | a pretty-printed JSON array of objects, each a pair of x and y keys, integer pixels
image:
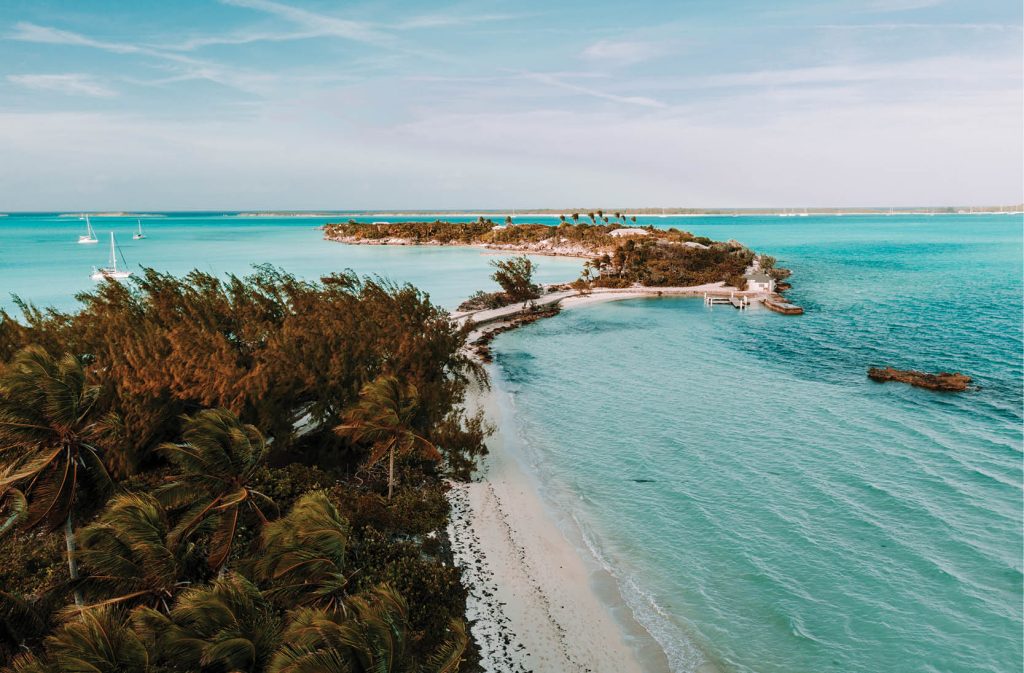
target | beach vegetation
[
  {"x": 385, "y": 419},
  {"x": 150, "y": 441},
  {"x": 46, "y": 428},
  {"x": 216, "y": 461},
  {"x": 515, "y": 276}
]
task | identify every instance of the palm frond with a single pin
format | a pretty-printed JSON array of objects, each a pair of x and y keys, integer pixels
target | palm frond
[
  {"x": 447, "y": 657},
  {"x": 14, "y": 504}
]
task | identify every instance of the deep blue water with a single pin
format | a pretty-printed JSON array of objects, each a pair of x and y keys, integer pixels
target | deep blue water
[{"x": 798, "y": 517}]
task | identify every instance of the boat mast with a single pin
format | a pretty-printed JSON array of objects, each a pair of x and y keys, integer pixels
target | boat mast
[{"x": 113, "y": 257}]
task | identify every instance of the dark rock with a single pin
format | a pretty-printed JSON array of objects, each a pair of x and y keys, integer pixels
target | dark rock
[{"x": 941, "y": 381}]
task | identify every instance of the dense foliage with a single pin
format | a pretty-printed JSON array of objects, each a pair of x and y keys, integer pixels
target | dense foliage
[
  {"x": 210, "y": 449},
  {"x": 515, "y": 276},
  {"x": 649, "y": 256},
  {"x": 651, "y": 262}
]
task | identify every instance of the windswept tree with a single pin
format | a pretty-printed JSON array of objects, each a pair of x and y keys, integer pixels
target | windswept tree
[
  {"x": 128, "y": 556},
  {"x": 46, "y": 428},
  {"x": 370, "y": 636},
  {"x": 217, "y": 462},
  {"x": 302, "y": 555},
  {"x": 100, "y": 641},
  {"x": 227, "y": 626},
  {"x": 575, "y": 218},
  {"x": 384, "y": 418},
  {"x": 25, "y": 619},
  {"x": 515, "y": 276}
]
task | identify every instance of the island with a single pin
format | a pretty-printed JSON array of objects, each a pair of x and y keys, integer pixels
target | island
[{"x": 619, "y": 260}]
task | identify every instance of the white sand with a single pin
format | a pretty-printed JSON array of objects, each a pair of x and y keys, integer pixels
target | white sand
[{"x": 532, "y": 592}]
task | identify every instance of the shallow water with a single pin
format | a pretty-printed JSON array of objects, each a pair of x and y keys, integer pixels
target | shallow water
[
  {"x": 791, "y": 516},
  {"x": 764, "y": 505},
  {"x": 42, "y": 261}
]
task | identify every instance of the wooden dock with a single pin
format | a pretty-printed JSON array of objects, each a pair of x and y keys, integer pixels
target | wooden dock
[{"x": 741, "y": 303}]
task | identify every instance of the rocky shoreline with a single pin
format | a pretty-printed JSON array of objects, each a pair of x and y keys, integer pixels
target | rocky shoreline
[{"x": 545, "y": 247}]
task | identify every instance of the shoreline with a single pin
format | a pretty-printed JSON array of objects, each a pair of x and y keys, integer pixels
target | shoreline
[
  {"x": 485, "y": 248},
  {"x": 541, "y": 598},
  {"x": 537, "y": 602}
]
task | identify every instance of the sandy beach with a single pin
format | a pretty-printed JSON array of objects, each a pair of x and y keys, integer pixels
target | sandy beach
[
  {"x": 538, "y": 600},
  {"x": 534, "y": 595}
]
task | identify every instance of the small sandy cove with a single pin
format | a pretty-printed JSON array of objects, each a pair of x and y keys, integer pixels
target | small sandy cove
[{"x": 532, "y": 596}]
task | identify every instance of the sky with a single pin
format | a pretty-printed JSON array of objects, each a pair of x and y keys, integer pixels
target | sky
[{"x": 317, "y": 104}]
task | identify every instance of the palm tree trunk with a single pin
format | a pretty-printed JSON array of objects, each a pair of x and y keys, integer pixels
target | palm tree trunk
[
  {"x": 391, "y": 472},
  {"x": 69, "y": 539}
]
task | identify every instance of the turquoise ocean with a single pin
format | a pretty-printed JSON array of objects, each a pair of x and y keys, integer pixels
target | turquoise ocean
[{"x": 760, "y": 503}]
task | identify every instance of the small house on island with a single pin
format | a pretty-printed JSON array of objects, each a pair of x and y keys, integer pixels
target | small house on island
[{"x": 759, "y": 281}]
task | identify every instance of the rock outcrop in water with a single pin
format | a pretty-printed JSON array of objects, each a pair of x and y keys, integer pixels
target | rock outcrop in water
[{"x": 954, "y": 382}]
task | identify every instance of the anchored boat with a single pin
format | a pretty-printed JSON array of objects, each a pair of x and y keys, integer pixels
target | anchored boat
[
  {"x": 90, "y": 235},
  {"x": 111, "y": 271}
]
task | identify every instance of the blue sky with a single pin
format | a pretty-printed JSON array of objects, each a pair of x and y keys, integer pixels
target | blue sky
[{"x": 311, "y": 104}]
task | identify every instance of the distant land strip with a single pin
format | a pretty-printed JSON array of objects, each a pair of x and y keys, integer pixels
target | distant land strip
[{"x": 584, "y": 212}]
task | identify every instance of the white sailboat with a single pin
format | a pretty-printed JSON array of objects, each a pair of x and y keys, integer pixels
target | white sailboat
[
  {"x": 90, "y": 235},
  {"x": 110, "y": 271},
  {"x": 138, "y": 235}
]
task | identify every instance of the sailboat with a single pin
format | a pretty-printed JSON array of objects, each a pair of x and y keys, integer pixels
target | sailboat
[
  {"x": 138, "y": 235},
  {"x": 90, "y": 235},
  {"x": 110, "y": 271}
]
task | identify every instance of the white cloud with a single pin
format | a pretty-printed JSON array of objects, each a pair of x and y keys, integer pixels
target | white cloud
[
  {"x": 185, "y": 67},
  {"x": 316, "y": 24},
  {"x": 621, "y": 53},
  {"x": 945, "y": 72},
  {"x": 453, "y": 19},
  {"x": 900, "y": 5},
  {"x": 71, "y": 83},
  {"x": 743, "y": 151},
  {"x": 551, "y": 80}
]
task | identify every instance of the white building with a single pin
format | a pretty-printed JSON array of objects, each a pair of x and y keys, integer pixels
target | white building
[
  {"x": 759, "y": 281},
  {"x": 631, "y": 231}
]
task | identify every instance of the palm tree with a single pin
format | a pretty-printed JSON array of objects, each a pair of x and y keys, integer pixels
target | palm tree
[
  {"x": 218, "y": 459},
  {"x": 45, "y": 431},
  {"x": 383, "y": 418},
  {"x": 575, "y": 218},
  {"x": 24, "y": 619},
  {"x": 303, "y": 553},
  {"x": 128, "y": 555},
  {"x": 13, "y": 505},
  {"x": 370, "y": 635},
  {"x": 227, "y": 626},
  {"x": 100, "y": 642}
]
